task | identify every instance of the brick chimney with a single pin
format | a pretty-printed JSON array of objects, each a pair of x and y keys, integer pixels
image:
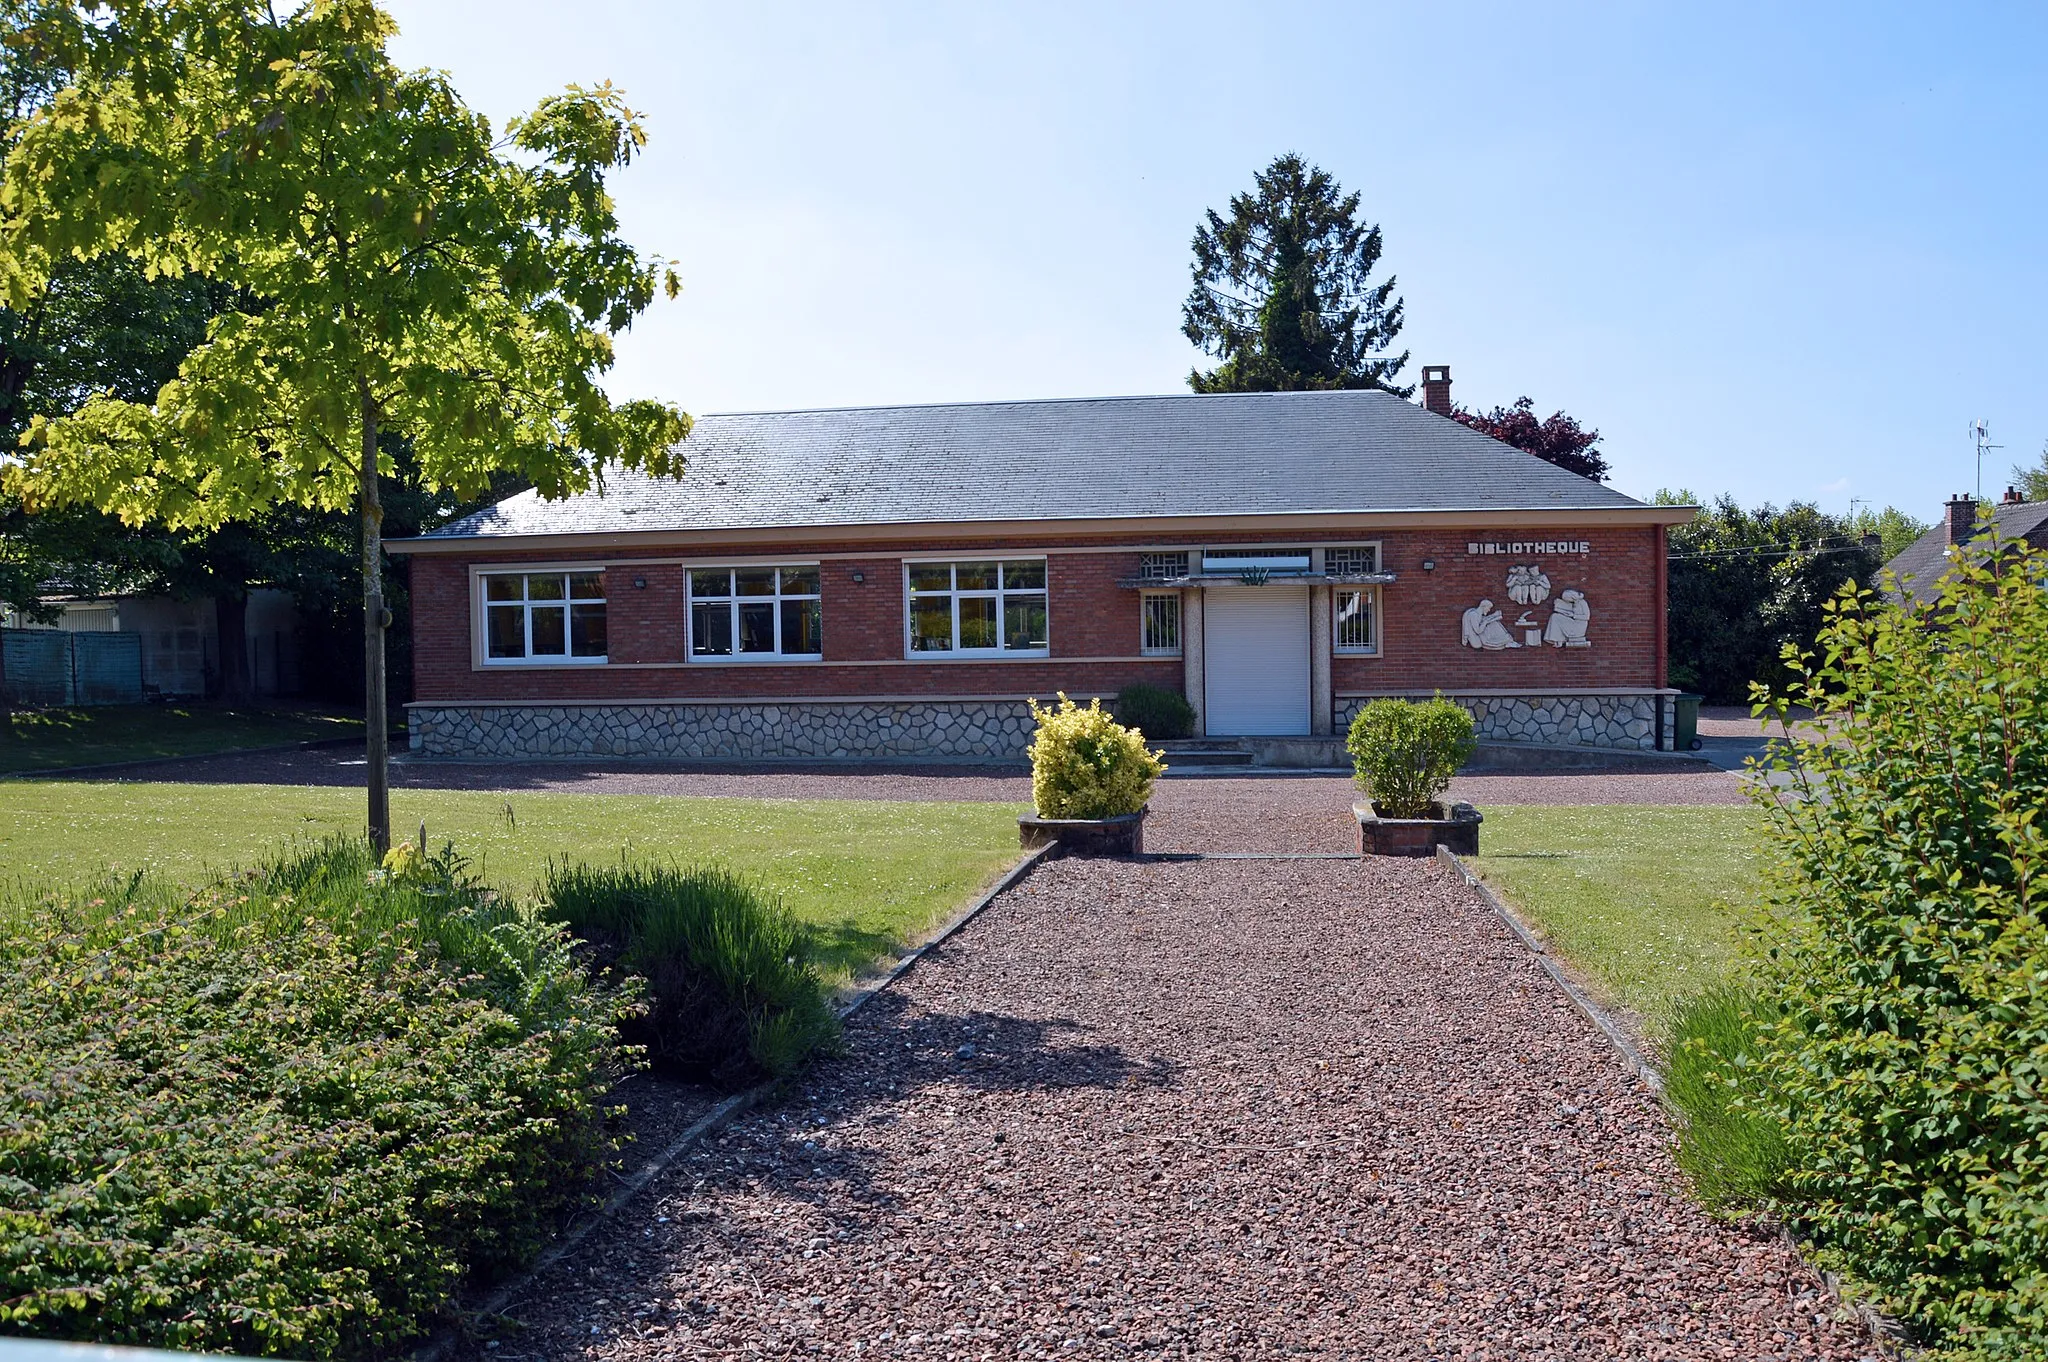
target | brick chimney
[
  {"x": 2012, "y": 497},
  {"x": 1962, "y": 519},
  {"x": 1436, "y": 388}
]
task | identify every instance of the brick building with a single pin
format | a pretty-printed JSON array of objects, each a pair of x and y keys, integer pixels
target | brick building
[{"x": 897, "y": 581}]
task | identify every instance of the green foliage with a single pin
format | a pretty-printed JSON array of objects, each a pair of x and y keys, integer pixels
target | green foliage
[
  {"x": 1728, "y": 1144},
  {"x": 733, "y": 990},
  {"x": 1155, "y": 712},
  {"x": 1405, "y": 754},
  {"x": 1084, "y": 764},
  {"x": 1284, "y": 294},
  {"x": 290, "y": 1114},
  {"x": 2031, "y": 480},
  {"x": 1895, "y": 530},
  {"x": 1744, "y": 584},
  {"x": 1906, "y": 1067}
]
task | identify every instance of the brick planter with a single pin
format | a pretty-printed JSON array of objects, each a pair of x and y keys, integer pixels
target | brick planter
[
  {"x": 1123, "y": 835},
  {"x": 1457, "y": 830}
]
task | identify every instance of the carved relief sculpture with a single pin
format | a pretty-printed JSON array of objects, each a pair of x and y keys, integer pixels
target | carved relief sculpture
[
  {"x": 1568, "y": 621},
  {"x": 1482, "y": 626}
]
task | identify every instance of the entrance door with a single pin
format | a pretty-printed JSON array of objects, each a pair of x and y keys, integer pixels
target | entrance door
[{"x": 1255, "y": 660}]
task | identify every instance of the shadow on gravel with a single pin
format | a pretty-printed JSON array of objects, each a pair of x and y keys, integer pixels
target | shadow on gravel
[{"x": 983, "y": 1051}]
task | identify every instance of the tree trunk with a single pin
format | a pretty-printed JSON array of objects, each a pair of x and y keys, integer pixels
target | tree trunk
[
  {"x": 231, "y": 624},
  {"x": 376, "y": 739}
]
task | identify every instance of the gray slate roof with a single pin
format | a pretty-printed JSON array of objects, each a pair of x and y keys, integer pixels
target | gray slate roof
[
  {"x": 1232, "y": 454},
  {"x": 1921, "y": 564}
]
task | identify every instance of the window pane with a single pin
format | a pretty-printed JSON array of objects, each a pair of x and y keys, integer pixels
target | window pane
[
  {"x": 710, "y": 583},
  {"x": 978, "y": 622},
  {"x": 756, "y": 581},
  {"x": 507, "y": 631},
  {"x": 803, "y": 631},
  {"x": 547, "y": 588},
  {"x": 1162, "y": 624},
  {"x": 1023, "y": 621},
  {"x": 1029, "y": 574},
  {"x": 800, "y": 581},
  {"x": 586, "y": 630},
  {"x": 503, "y": 588},
  {"x": 550, "y": 631},
  {"x": 710, "y": 629},
  {"x": 587, "y": 586},
  {"x": 974, "y": 576},
  {"x": 931, "y": 625},
  {"x": 931, "y": 577},
  {"x": 757, "y": 627}
]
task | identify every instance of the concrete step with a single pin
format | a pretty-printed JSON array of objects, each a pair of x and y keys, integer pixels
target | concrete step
[{"x": 1180, "y": 758}]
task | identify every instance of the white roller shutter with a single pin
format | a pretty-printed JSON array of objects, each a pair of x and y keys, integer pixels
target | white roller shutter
[{"x": 1255, "y": 660}]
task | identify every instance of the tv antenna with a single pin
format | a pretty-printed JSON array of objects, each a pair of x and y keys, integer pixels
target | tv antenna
[{"x": 1980, "y": 435}]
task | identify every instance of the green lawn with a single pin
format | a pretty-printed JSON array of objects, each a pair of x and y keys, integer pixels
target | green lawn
[
  {"x": 47, "y": 739},
  {"x": 1649, "y": 903},
  {"x": 873, "y": 877}
]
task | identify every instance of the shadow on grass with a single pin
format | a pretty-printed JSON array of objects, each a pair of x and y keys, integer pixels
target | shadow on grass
[{"x": 844, "y": 947}]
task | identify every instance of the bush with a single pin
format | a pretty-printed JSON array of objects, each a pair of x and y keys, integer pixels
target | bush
[
  {"x": 733, "y": 990},
  {"x": 1405, "y": 754},
  {"x": 1155, "y": 712},
  {"x": 284, "y": 1120},
  {"x": 1729, "y": 1146},
  {"x": 1910, "y": 855},
  {"x": 1084, "y": 764}
]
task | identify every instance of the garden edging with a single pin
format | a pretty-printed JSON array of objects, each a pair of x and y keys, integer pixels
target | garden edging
[{"x": 710, "y": 1123}]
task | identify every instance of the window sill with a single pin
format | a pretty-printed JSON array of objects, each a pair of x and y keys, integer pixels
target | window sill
[
  {"x": 525, "y": 663},
  {"x": 1354, "y": 652},
  {"x": 993, "y": 655},
  {"x": 760, "y": 660}
]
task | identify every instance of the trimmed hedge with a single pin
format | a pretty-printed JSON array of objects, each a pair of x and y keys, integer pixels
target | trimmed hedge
[
  {"x": 289, "y": 1114},
  {"x": 1404, "y": 755},
  {"x": 1084, "y": 764},
  {"x": 733, "y": 989}
]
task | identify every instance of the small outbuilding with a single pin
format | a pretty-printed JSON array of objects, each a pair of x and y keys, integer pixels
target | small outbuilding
[{"x": 898, "y": 581}]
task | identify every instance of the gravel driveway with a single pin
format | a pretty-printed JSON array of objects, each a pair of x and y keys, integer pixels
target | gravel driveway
[{"x": 1216, "y": 1109}]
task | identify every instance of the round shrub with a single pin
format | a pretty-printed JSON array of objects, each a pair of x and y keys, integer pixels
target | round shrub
[
  {"x": 1156, "y": 712},
  {"x": 1084, "y": 764},
  {"x": 1905, "y": 1057},
  {"x": 1405, "y": 754}
]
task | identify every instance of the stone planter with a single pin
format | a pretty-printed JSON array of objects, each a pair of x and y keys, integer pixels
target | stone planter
[
  {"x": 1456, "y": 829},
  {"x": 1123, "y": 835}
]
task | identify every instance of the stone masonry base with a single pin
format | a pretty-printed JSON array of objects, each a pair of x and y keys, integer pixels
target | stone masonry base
[
  {"x": 1639, "y": 721},
  {"x": 996, "y": 730},
  {"x": 989, "y": 729}
]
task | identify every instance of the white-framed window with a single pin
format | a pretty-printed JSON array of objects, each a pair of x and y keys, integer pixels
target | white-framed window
[
  {"x": 1160, "y": 618},
  {"x": 1351, "y": 560},
  {"x": 555, "y": 616},
  {"x": 742, "y": 612},
  {"x": 1357, "y": 625},
  {"x": 986, "y": 607}
]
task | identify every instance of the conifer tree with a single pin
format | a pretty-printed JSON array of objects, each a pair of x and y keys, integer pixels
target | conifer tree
[{"x": 1284, "y": 294}]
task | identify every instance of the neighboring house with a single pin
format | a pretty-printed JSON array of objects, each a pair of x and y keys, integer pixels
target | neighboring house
[
  {"x": 896, "y": 581},
  {"x": 180, "y": 639},
  {"x": 1920, "y": 566}
]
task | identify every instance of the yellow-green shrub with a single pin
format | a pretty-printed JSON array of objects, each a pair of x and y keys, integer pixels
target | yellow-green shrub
[{"x": 1084, "y": 764}]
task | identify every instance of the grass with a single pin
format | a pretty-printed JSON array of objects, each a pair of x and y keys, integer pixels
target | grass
[
  {"x": 1649, "y": 902},
  {"x": 870, "y": 876},
  {"x": 49, "y": 739}
]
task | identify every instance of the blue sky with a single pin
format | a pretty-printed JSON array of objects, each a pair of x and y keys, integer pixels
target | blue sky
[{"x": 1784, "y": 251}]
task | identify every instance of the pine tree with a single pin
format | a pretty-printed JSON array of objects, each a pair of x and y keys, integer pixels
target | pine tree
[{"x": 1283, "y": 291}]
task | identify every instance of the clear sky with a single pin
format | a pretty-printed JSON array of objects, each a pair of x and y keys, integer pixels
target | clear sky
[{"x": 1787, "y": 251}]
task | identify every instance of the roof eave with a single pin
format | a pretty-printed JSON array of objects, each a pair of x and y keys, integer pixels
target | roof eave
[{"x": 1150, "y": 526}]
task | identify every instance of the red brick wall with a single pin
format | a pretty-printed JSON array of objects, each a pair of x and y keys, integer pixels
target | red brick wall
[
  {"x": 1421, "y": 613},
  {"x": 1090, "y": 617}
]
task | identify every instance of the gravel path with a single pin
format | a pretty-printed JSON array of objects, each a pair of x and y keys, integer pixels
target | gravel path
[{"x": 1220, "y": 1109}]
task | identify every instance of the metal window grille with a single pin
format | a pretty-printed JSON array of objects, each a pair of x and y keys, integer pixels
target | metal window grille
[
  {"x": 1355, "y": 623},
  {"x": 1162, "y": 622}
]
